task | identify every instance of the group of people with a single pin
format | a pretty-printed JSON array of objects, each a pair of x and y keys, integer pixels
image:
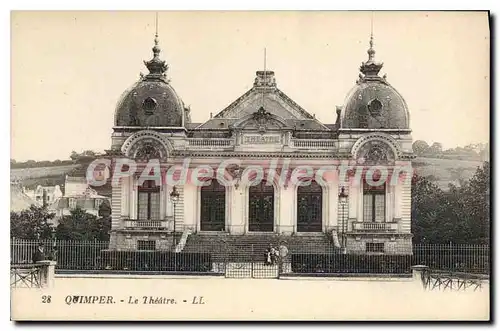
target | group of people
[{"x": 274, "y": 254}]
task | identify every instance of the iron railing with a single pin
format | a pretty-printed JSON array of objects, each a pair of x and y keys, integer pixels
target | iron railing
[
  {"x": 305, "y": 255},
  {"x": 146, "y": 224},
  {"x": 375, "y": 226},
  {"x": 25, "y": 275}
]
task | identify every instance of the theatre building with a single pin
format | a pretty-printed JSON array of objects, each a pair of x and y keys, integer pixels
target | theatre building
[{"x": 264, "y": 129}]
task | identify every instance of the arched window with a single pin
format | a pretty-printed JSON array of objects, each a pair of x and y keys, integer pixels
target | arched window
[
  {"x": 148, "y": 207},
  {"x": 213, "y": 207},
  {"x": 309, "y": 208},
  {"x": 261, "y": 207}
]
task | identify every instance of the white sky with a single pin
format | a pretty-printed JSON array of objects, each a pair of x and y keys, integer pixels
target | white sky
[{"x": 69, "y": 68}]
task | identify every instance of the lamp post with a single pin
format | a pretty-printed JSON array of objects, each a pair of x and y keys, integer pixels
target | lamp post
[
  {"x": 343, "y": 201},
  {"x": 174, "y": 197}
]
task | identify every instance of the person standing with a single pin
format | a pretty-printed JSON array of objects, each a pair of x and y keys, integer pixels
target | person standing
[{"x": 39, "y": 254}]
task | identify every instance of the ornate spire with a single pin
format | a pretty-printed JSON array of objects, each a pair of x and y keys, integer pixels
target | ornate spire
[
  {"x": 371, "y": 51},
  {"x": 157, "y": 67},
  {"x": 371, "y": 68}
]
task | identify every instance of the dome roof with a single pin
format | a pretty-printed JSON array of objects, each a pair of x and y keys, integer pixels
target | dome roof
[
  {"x": 151, "y": 101},
  {"x": 373, "y": 103}
]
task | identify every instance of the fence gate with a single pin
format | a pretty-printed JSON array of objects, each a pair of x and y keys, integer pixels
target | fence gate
[{"x": 250, "y": 262}]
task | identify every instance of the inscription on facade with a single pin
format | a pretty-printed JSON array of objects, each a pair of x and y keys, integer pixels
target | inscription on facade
[{"x": 261, "y": 139}]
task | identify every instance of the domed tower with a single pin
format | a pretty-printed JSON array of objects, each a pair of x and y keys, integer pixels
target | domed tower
[
  {"x": 374, "y": 135},
  {"x": 373, "y": 103},
  {"x": 374, "y": 117},
  {"x": 152, "y": 101}
]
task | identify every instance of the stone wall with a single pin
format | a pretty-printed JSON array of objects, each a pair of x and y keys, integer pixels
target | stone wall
[
  {"x": 123, "y": 241},
  {"x": 397, "y": 245}
]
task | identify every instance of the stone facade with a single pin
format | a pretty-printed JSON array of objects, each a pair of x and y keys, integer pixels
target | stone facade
[{"x": 264, "y": 133}]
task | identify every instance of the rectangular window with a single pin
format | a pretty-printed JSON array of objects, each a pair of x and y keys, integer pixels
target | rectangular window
[
  {"x": 373, "y": 203},
  {"x": 375, "y": 247},
  {"x": 72, "y": 203},
  {"x": 146, "y": 245},
  {"x": 143, "y": 206},
  {"x": 97, "y": 203},
  {"x": 148, "y": 201}
]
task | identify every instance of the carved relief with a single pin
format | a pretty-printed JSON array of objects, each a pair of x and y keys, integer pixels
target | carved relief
[
  {"x": 261, "y": 118},
  {"x": 148, "y": 151},
  {"x": 146, "y": 145},
  {"x": 375, "y": 153},
  {"x": 377, "y": 139}
]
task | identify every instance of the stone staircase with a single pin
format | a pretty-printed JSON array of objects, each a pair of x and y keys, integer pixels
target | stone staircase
[{"x": 252, "y": 247}]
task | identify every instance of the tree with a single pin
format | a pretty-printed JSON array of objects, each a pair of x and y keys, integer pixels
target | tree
[
  {"x": 32, "y": 223},
  {"x": 458, "y": 175},
  {"x": 105, "y": 209},
  {"x": 420, "y": 147},
  {"x": 74, "y": 155},
  {"x": 436, "y": 149},
  {"x": 474, "y": 205},
  {"x": 82, "y": 226},
  {"x": 460, "y": 215},
  {"x": 88, "y": 153},
  {"x": 426, "y": 198}
]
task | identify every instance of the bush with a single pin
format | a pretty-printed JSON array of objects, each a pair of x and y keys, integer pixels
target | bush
[
  {"x": 156, "y": 261},
  {"x": 351, "y": 263},
  {"x": 471, "y": 262}
]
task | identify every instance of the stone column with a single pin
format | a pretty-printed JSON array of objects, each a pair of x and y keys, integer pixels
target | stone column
[
  {"x": 237, "y": 205},
  {"x": 191, "y": 207},
  {"x": 397, "y": 201},
  {"x": 389, "y": 202},
  {"x": 287, "y": 218},
  {"x": 116, "y": 205},
  {"x": 354, "y": 202},
  {"x": 133, "y": 194},
  {"x": 163, "y": 200},
  {"x": 418, "y": 276},
  {"x": 332, "y": 204},
  {"x": 125, "y": 196}
]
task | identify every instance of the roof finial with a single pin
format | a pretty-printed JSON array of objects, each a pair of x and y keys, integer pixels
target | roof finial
[
  {"x": 157, "y": 67},
  {"x": 371, "y": 51},
  {"x": 156, "y": 48},
  {"x": 156, "y": 21},
  {"x": 370, "y": 68}
]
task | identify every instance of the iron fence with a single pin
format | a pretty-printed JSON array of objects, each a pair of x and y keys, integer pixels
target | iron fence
[{"x": 235, "y": 257}]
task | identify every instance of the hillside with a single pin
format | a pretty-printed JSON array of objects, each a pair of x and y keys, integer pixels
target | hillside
[
  {"x": 445, "y": 171},
  {"x": 50, "y": 176}
]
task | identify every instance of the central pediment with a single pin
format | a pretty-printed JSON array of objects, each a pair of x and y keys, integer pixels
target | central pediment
[{"x": 283, "y": 111}]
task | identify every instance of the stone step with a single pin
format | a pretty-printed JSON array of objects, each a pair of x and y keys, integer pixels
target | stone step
[{"x": 246, "y": 248}]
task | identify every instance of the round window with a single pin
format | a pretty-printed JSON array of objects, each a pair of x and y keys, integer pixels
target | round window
[
  {"x": 149, "y": 104},
  {"x": 375, "y": 107}
]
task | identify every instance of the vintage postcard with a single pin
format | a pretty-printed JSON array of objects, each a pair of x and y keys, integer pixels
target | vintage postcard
[{"x": 258, "y": 165}]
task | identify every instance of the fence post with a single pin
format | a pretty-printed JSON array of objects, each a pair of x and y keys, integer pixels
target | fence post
[
  {"x": 419, "y": 273},
  {"x": 47, "y": 273}
]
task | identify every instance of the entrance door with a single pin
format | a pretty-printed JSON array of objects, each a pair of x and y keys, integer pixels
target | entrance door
[
  {"x": 213, "y": 207},
  {"x": 261, "y": 207},
  {"x": 309, "y": 208}
]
